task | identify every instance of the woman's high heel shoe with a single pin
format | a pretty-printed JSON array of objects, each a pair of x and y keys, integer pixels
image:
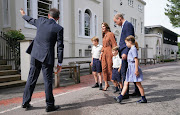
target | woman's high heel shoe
[{"x": 105, "y": 89}]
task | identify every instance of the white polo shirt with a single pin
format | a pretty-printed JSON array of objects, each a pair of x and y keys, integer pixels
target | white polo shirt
[
  {"x": 117, "y": 61},
  {"x": 96, "y": 51}
]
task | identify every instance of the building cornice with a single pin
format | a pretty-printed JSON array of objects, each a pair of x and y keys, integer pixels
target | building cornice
[
  {"x": 163, "y": 28},
  {"x": 142, "y": 1},
  {"x": 153, "y": 35}
]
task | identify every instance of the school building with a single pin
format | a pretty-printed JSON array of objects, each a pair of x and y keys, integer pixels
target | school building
[{"x": 160, "y": 41}]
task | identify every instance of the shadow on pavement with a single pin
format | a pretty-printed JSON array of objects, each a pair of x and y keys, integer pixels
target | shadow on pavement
[{"x": 163, "y": 95}]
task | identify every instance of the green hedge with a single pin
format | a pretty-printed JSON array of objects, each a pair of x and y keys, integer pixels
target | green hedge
[{"x": 168, "y": 60}]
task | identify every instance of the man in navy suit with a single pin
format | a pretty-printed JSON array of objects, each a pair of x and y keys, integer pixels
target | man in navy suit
[
  {"x": 127, "y": 29},
  {"x": 42, "y": 56}
]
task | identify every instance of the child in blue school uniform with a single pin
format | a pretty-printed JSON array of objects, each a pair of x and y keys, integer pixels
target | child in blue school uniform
[
  {"x": 134, "y": 73},
  {"x": 116, "y": 76}
]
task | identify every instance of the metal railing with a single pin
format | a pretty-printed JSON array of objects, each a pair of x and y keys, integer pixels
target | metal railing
[{"x": 10, "y": 51}]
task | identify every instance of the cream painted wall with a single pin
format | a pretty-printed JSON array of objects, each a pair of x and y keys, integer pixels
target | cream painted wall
[{"x": 96, "y": 8}]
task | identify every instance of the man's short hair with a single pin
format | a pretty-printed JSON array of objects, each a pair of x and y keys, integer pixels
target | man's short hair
[
  {"x": 95, "y": 38},
  {"x": 54, "y": 13},
  {"x": 119, "y": 15}
]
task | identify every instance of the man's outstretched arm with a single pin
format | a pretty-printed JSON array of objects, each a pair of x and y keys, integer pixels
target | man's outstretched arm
[{"x": 28, "y": 18}]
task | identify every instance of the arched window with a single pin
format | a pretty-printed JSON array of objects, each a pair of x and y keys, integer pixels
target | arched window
[
  {"x": 95, "y": 23},
  {"x": 87, "y": 22},
  {"x": 80, "y": 22}
]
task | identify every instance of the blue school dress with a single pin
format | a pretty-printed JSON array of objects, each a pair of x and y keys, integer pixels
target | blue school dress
[{"x": 130, "y": 75}]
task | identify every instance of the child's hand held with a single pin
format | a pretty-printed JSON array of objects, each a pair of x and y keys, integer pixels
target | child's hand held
[{"x": 137, "y": 73}]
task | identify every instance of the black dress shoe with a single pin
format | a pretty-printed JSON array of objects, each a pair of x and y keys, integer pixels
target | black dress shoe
[
  {"x": 135, "y": 94},
  {"x": 100, "y": 87},
  {"x": 53, "y": 108},
  {"x": 117, "y": 99},
  {"x": 142, "y": 101},
  {"x": 116, "y": 91},
  {"x": 26, "y": 106},
  {"x": 96, "y": 85}
]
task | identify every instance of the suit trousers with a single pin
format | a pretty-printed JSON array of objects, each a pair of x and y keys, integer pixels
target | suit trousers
[{"x": 34, "y": 72}]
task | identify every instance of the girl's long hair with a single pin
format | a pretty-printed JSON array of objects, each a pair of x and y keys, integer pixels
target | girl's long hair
[
  {"x": 132, "y": 39},
  {"x": 107, "y": 28}
]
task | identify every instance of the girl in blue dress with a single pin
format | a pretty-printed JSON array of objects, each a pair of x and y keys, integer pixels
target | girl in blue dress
[{"x": 134, "y": 73}]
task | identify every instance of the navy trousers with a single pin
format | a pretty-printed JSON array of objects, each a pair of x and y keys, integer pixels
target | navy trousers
[
  {"x": 123, "y": 74},
  {"x": 34, "y": 72}
]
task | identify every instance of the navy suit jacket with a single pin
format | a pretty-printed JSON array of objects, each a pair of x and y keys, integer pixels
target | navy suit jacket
[
  {"x": 48, "y": 33},
  {"x": 127, "y": 30}
]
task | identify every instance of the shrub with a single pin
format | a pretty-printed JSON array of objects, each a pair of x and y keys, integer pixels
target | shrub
[{"x": 15, "y": 35}]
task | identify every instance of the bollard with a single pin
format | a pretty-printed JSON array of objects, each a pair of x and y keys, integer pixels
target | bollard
[{"x": 78, "y": 73}]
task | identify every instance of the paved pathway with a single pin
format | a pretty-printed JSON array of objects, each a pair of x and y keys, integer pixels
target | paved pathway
[{"x": 161, "y": 84}]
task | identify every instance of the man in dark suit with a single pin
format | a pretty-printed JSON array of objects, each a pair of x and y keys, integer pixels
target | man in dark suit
[
  {"x": 127, "y": 29},
  {"x": 42, "y": 56}
]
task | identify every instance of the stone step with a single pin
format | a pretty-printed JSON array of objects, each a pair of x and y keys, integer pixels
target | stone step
[
  {"x": 8, "y": 72},
  {"x": 5, "y": 67},
  {"x": 3, "y": 62},
  {"x": 10, "y": 78},
  {"x": 12, "y": 84}
]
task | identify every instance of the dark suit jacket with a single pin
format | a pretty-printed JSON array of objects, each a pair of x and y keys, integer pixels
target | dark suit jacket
[
  {"x": 127, "y": 30},
  {"x": 48, "y": 33}
]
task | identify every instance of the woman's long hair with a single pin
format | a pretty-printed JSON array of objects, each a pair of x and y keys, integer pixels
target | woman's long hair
[
  {"x": 107, "y": 28},
  {"x": 132, "y": 39}
]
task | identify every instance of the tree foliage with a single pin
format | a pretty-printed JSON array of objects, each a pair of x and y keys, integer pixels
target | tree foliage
[{"x": 173, "y": 12}]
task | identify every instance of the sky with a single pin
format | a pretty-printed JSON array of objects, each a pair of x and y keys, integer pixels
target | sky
[{"x": 154, "y": 15}]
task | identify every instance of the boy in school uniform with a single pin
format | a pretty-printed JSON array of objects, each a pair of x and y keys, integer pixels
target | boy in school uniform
[
  {"x": 116, "y": 74},
  {"x": 96, "y": 63}
]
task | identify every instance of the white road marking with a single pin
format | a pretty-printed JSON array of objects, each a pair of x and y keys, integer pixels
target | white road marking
[{"x": 8, "y": 110}]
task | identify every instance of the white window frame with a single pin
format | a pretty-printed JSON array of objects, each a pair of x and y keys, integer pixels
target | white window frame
[
  {"x": 134, "y": 21},
  {"x": 142, "y": 26},
  {"x": 91, "y": 23},
  {"x": 95, "y": 25},
  {"x": 140, "y": 8},
  {"x": 131, "y": 3},
  {"x": 9, "y": 16},
  {"x": 80, "y": 30},
  {"x": 34, "y": 12},
  {"x": 59, "y": 6},
  {"x": 115, "y": 12}
]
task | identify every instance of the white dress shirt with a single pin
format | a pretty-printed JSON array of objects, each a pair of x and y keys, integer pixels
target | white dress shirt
[
  {"x": 117, "y": 61},
  {"x": 96, "y": 51}
]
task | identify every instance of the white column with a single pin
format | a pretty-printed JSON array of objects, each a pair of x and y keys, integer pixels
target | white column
[{"x": 25, "y": 61}]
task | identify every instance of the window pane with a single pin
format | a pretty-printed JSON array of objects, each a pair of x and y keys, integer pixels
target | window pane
[
  {"x": 43, "y": 8},
  {"x": 80, "y": 23},
  {"x": 87, "y": 24},
  {"x": 6, "y": 12},
  {"x": 87, "y": 53}
]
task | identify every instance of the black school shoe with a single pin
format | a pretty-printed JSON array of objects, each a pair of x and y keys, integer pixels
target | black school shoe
[
  {"x": 53, "y": 108},
  {"x": 117, "y": 99},
  {"x": 100, "y": 86},
  {"x": 142, "y": 101},
  {"x": 96, "y": 85},
  {"x": 116, "y": 91}
]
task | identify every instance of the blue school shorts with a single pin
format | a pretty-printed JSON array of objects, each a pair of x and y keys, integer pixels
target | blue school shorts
[
  {"x": 116, "y": 76},
  {"x": 96, "y": 67}
]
